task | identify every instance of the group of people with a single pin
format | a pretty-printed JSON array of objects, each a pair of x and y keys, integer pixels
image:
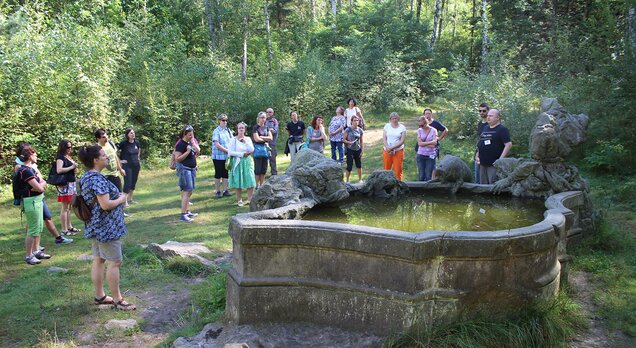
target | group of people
[
  {"x": 100, "y": 187},
  {"x": 241, "y": 160},
  {"x": 494, "y": 143}
]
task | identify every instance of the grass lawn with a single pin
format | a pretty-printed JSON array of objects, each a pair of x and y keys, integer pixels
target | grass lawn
[{"x": 38, "y": 306}]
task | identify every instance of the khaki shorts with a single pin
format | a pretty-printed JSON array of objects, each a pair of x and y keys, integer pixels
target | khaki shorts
[{"x": 110, "y": 251}]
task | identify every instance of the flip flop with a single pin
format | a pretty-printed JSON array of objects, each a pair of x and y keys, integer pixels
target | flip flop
[{"x": 104, "y": 300}]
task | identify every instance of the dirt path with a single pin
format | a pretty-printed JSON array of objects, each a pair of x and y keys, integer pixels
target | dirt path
[{"x": 597, "y": 336}]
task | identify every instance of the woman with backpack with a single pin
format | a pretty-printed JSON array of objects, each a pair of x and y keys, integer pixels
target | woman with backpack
[
  {"x": 31, "y": 187},
  {"x": 65, "y": 165},
  {"x": 105, "y": 226}
]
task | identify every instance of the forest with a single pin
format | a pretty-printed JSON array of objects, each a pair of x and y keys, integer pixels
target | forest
[{"x": 70, "y": 66}]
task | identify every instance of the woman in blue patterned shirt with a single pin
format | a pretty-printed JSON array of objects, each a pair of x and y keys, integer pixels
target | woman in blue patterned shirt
[{"x": 105, "y": 227}]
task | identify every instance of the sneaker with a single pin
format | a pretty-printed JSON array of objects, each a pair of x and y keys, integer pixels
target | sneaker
[
  {"x": 226, "y": 193},
  {"x": 191, "y": 214},
  {"x": 42, "y": 248},
  {"x": 63, "y": 241},
  {"x": 218, "y": 194},
  {"x": 126, "y": 215},
  {"x": 41, "y": 255},
  {"x": 240, "y": 203},
  {"x": 31, "y": 260},
  {"x": 185, "y": 218}
]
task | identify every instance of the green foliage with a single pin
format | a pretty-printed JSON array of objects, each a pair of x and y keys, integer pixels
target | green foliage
[
  {"x": 547, "y": 325},
  {"x": 511, "y": 91}
]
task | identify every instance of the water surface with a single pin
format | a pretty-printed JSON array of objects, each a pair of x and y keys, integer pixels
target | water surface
[{"x": 429, "y": 211}]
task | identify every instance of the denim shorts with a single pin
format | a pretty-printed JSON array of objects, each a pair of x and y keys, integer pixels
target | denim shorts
[{"x": 187, "y": 177}]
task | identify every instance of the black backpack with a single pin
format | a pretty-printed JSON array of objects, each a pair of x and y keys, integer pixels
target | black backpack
[{"x": 18, "y": 185}]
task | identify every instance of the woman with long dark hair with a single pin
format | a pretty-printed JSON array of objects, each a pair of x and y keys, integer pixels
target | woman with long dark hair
[
  {"x": 129, "y": 157},
  {"x": 64, "y": 164},
  {"x": 106, "y": 227},
  {"x": 316, "y": 136},
  {"x": 185, "y": 152}
]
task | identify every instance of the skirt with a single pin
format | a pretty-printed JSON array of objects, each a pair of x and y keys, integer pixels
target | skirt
[
  {"x": 66, "y": 193},
  {"x": 242, "y": 174}
]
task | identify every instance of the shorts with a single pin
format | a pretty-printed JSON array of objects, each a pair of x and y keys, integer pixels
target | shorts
[
  {"x": 219, "y": 169},
  {"x": 187, "y": 178},
  {"x": 260, "y": 165},
  {"x": 34, "y": 214},
  {"x": 110, "y": 251}
]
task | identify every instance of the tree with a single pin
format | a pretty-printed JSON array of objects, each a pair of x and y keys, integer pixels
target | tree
[
  {"x": 435, "y": 19},
  {"x": 269, "y": 39},
  {"x": 484, "y": 35},
  {"x": 210, "y": 15}
]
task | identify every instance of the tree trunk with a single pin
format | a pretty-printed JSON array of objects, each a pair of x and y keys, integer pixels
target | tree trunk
[
  {"x": 210, "y": 14},
  {"x": 269, "y": 40},
  {"x": 484, "y": 35},
  {"x": 441, "y": 19},
  {"x": 313, "y": 10},
  {"x": 472, "y": 36},
  {"x": 435, "y": 19},
  {"x": 244, "y": 61},
  {"x": 418, "y": 10},
  {"x": 350, "y": 6},
  {"x": 631, "y": 30},
  {"x": 334, "y": 12}
]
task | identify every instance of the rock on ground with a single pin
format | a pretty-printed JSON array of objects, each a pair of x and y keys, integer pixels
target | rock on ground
[
  {"x": 276, "y": 335},
  {"x": 171, "y": 249},
  {"x": 124, "y": 324}
]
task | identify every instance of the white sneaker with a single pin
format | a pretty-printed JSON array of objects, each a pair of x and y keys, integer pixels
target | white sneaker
[{"x": 240, "y": 203}]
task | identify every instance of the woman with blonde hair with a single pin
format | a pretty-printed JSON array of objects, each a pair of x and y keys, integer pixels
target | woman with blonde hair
[
  {"x": 241, "y": 165},
  {"x": 393, "y": 151}
]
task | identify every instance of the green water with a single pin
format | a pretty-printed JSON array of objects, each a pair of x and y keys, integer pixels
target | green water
[{"x": 426, "y": 211}]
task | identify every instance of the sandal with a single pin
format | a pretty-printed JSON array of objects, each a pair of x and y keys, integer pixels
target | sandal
[
  {"x": 68, "y": 233},
  {"x": 122, "y": 305},
  {"x": 104, "y": 300},
  {"x": 75, "y": 230}
]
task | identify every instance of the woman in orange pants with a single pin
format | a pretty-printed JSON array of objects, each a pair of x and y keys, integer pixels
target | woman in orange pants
[{"x": 393, "y": 150}]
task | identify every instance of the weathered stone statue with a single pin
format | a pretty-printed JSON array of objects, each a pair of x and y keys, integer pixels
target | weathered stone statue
[
  {"x": 453, "y": 170},
  {"x": 555, "y": 133},
  {"x": 383, "y": 184},
  {"x": 310, "y": 176}
]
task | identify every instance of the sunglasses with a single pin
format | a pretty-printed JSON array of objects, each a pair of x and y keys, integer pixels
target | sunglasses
[
  {"x": 188, "y": 128},
  {"x": 483, "y": 110}
]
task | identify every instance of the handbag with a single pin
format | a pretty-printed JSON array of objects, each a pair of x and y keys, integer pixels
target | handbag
[
  {"x": 260, "y": 151},
  {"x": 56, "y": 179},
  {"x": 229, "y": 162}
]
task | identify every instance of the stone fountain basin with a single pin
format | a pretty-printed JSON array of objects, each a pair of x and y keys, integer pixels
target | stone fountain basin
[{"x": 384, "y": 281}]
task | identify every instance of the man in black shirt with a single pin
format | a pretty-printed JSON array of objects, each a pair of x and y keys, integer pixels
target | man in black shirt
[{"x": 494, "y": 143}]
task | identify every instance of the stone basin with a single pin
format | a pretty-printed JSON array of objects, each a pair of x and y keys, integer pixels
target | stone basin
[{"x": 384, "y": 281}]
